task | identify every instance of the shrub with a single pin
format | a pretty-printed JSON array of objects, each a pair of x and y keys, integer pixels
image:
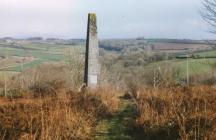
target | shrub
[
  {"x": 70, "y": 115},
  {"x": 177, "y": 113},
  {"x": 45, "y": 119}
]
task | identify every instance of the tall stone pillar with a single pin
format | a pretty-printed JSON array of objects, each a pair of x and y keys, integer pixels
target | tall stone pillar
[{"x": 92, "y": 53}]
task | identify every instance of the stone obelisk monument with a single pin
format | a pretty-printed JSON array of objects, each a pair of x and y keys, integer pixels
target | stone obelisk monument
[{"x": 92, "y": 53}]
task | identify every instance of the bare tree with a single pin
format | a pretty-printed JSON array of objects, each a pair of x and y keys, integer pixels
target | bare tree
[
  {"x": 209, "y": 14},
  {"x": 75, "y": 62}
]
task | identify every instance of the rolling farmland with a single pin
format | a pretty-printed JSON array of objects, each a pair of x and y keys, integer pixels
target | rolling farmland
[
  {"x": 20, "y": 55},
  {"x": 24, "y": 55}
]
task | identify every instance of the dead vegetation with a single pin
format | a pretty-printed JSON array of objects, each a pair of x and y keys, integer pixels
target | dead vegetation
[
  {"x": 69, "y": 116},
  {"x": 42, "y": 104},
  {"x": 45, "y": 119},
  {"x": 177, "y": 113}
]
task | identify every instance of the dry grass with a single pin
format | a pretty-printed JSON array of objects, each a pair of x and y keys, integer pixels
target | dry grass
[
  {"x": 70, "y": 115},
  {"x": 178, "y": 113},
  {"x": 42, "y": 104},
  {"x": 49, "y": 108}
]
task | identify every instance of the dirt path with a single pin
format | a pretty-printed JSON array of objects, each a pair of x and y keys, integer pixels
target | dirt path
[{"x": 119, "y": 127}]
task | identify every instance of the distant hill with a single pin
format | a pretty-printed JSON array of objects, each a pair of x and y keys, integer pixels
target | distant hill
[
  {"x": 183, "y": 41},
  {"x": 157, "y": 44}
]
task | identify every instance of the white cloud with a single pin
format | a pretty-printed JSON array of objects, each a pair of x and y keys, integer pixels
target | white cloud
[
  {"x": 36, "y": 3},
  {"x": 121, "y": 18}
]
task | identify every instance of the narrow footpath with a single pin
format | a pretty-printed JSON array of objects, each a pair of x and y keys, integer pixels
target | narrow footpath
[{"x": 119, "y": 126}]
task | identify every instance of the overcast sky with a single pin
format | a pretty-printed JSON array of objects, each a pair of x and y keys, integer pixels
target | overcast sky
[{"x": 116, "y": 18}]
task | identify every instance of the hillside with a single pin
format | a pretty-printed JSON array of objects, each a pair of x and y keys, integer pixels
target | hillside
[{"x": 144, "y": 92}]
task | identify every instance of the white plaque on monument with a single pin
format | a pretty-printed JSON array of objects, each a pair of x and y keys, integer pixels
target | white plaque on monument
[{"x": 93, "y": 79}]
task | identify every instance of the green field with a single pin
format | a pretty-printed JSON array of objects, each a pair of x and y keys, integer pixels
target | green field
[
  {"x": 207, "y": 53},
  {"x": 195, "y": 66},
  {"x": 41, "y": 52},
  {"x": 46, "y": 52}
]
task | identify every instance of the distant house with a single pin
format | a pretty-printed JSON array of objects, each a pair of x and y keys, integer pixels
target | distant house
[{"x": 8, "y": 39}]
